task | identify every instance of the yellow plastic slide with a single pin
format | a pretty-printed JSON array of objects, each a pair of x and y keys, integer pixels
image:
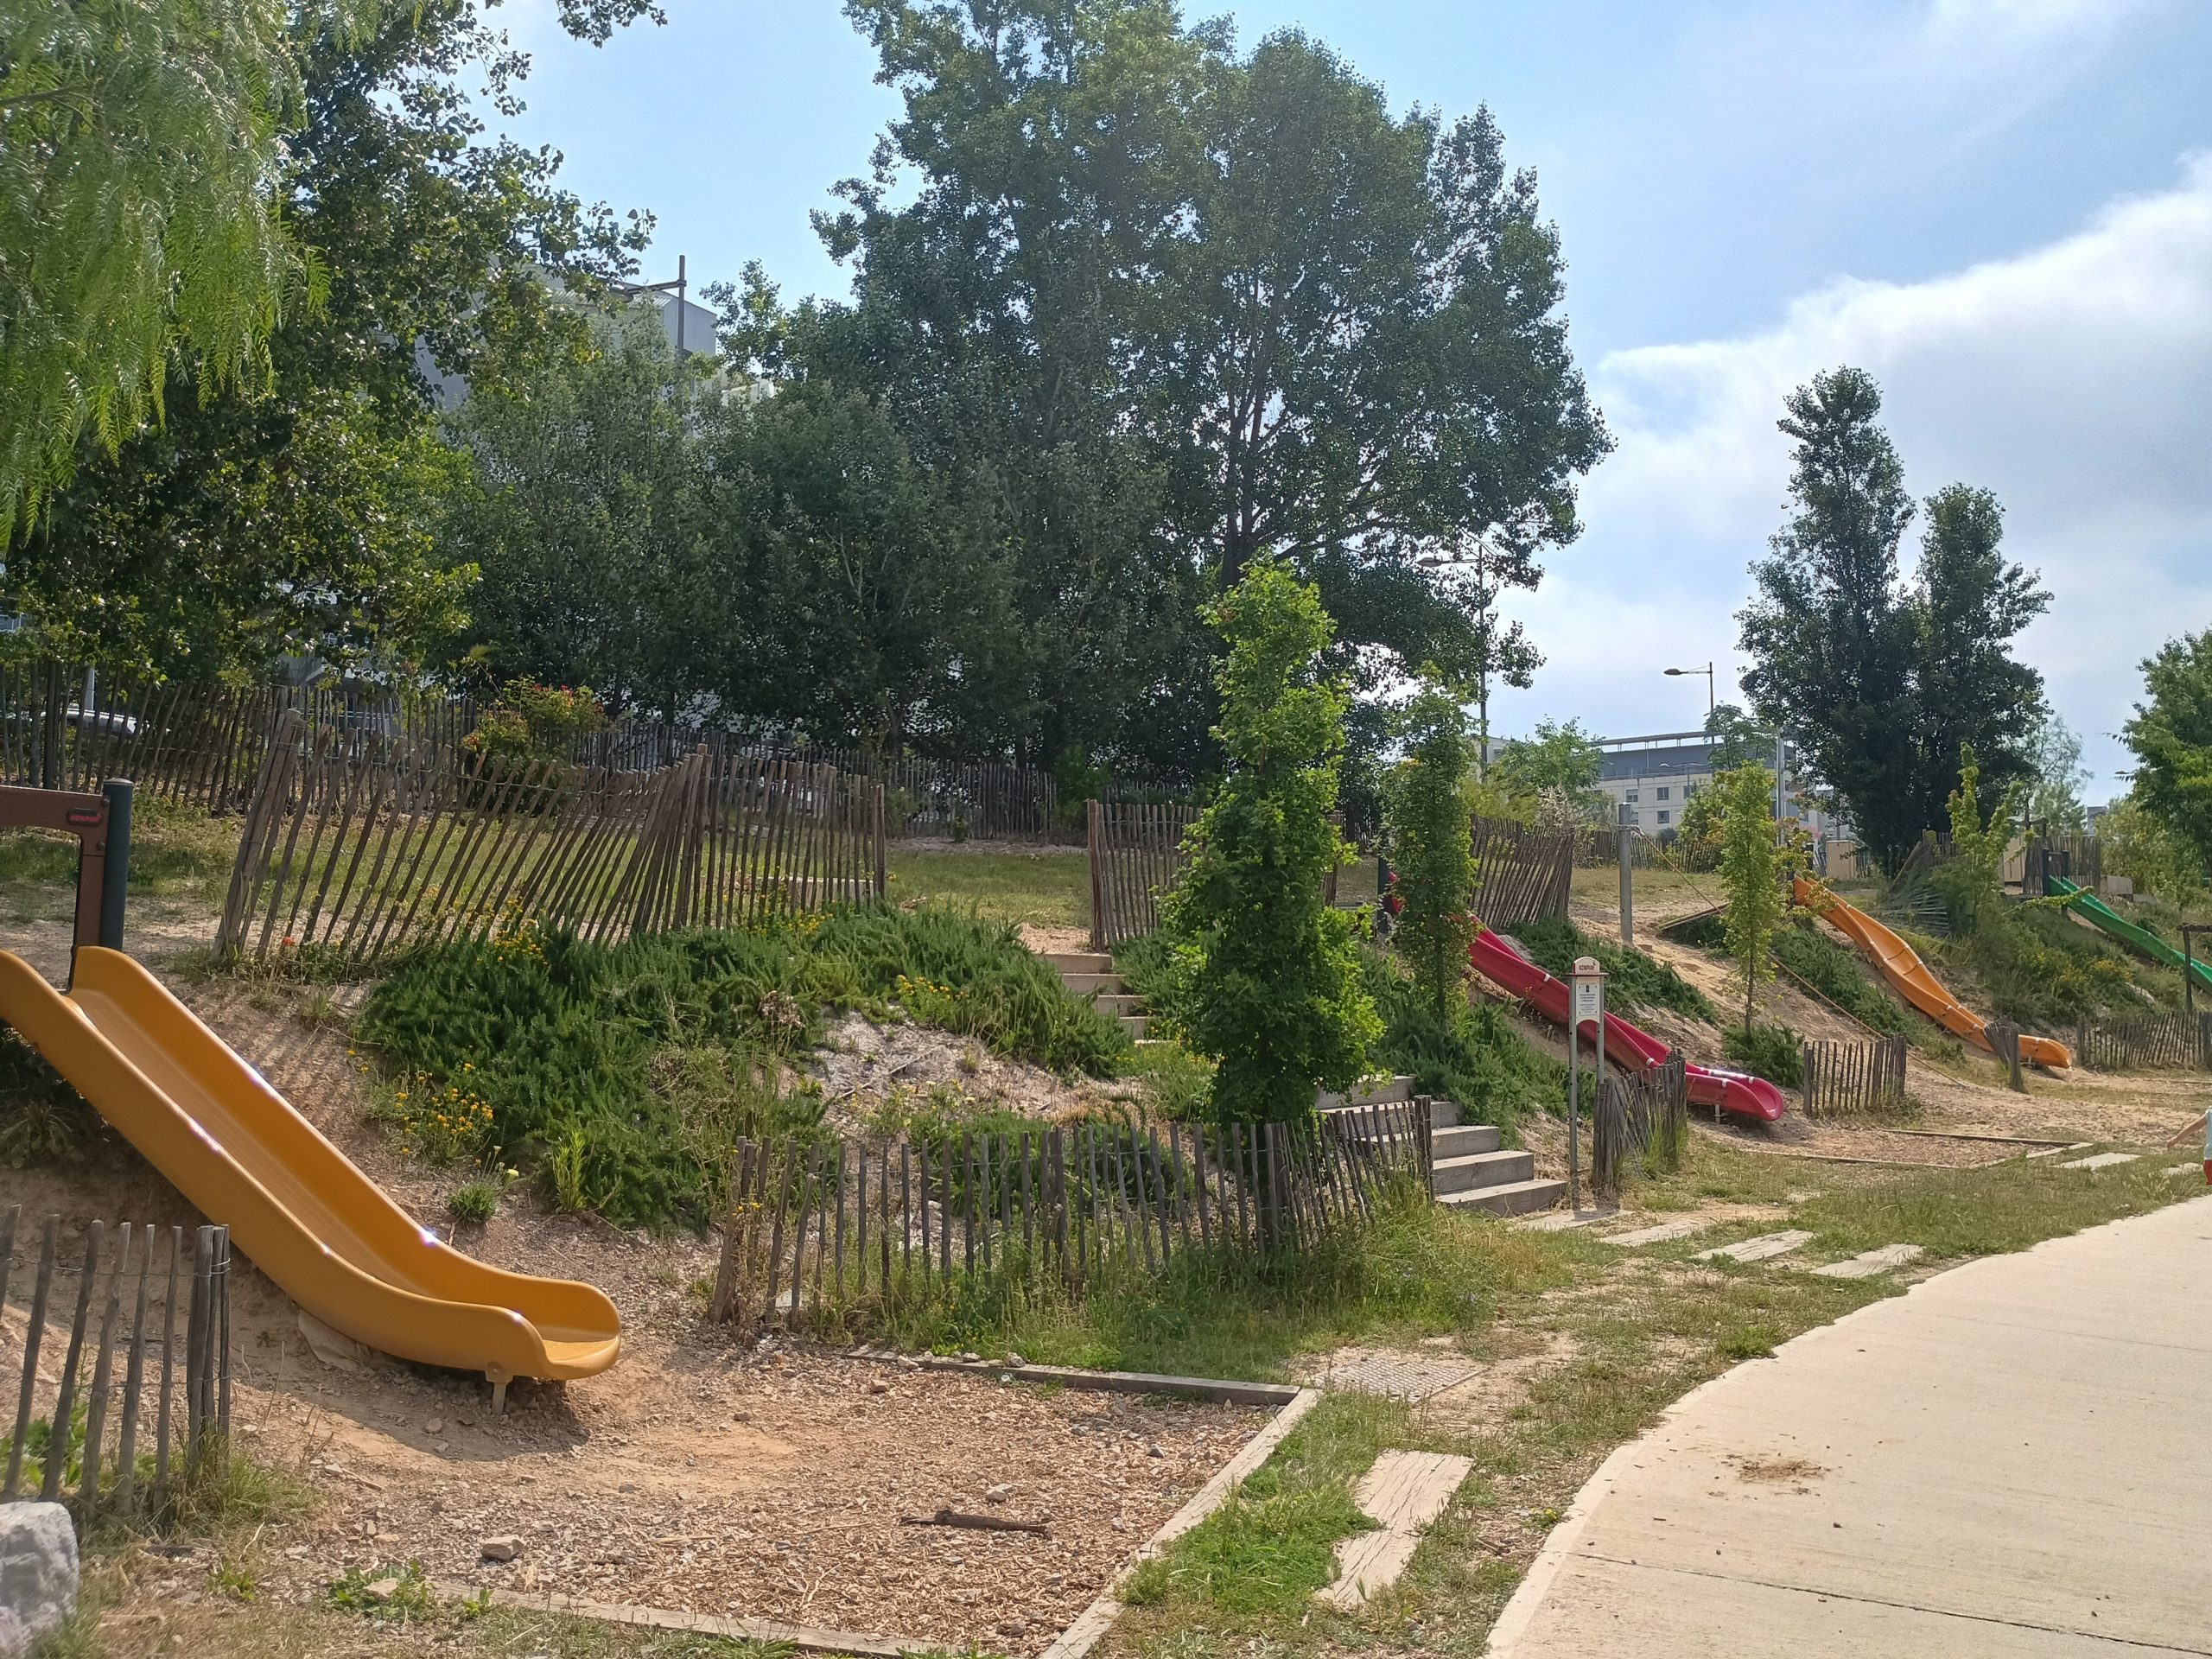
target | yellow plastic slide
[
  {"x": 310, "y": 1220},
  {"x": 1901, "y": 965}
]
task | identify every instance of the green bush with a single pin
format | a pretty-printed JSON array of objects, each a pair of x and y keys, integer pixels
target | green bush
[
  {"x": 473, "y": 1203},
  {"x": 43, "y": 1120},
  {"x": 1633, "y": 979},
  {"x": 1838, "y": 974},
  {"x": 621, "y": 1075},
  {"x": 1769, "y": 1051},
  {"x": 1477, "y": 1058},
  {"x": 2040, "y": 967}
]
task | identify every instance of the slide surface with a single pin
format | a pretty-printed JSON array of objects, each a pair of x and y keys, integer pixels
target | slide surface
[
  {"x": 1636, "y": 1049},
  {"x": 1901, "y": 965},
  {"x": 314, "y": 1223},
  {"x": 2098, "y": 914}
]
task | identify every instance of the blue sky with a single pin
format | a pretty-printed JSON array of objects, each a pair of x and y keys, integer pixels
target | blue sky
[{"x": 2003, "y": 208}]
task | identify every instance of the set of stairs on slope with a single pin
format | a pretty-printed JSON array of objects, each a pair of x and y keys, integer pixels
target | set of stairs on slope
[
  {"x": 1091, "y": 974},
  {"x": 1473, "y": 1171}
]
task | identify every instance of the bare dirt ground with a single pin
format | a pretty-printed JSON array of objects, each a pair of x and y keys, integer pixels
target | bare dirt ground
[
  {"x": 767, "y": 1483},
  {"x": 863, "y": 1065}
]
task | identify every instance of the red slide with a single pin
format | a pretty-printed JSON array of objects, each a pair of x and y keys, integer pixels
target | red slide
[{"x": 1635, "y": 1048}]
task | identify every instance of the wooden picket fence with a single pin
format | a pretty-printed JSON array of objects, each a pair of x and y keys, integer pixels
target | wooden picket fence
[
  {"x": 1522, "y": 874},
  {"x": 356, "y": 856},
  {"x": 1643, "y": 1118},
  {"x": 64, "y": 727},
  {"x": 822, "y": 1231},
  {"x": 1136, "y": 852},
  {"x": 1844, "y": 1079},
  {"x": 132, "y": 1390},
  {"x": 2173, "y": 1042}
]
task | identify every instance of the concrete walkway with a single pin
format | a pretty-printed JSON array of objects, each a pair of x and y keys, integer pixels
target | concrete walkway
[{"x": 2013, "y": 1459}]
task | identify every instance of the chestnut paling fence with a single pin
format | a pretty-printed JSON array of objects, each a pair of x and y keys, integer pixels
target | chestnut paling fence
[
  {"x": 1136, "y": 852},
  {"x": 65, "y": 726},
  {"x": 107, "y": 1432},
  {"x": 358, "y": 857},
  {"x": 820, "y": 1230},
  {"x": 2178, "y": 1042},
  {"x": 1642, "y": 1120},
  {"x": 1842, "y": 1078}
]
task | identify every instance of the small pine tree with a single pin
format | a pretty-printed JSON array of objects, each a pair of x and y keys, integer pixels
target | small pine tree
[
  {"x": 1750, "y": 871},
  {"x": 1266, "y": 971},
  {"x": 1431, "y": 848},
  {"x": 1971, "y": 881}
]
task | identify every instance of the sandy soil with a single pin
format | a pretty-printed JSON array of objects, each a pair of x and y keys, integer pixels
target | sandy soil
[{"x": 766, "y": 1482}]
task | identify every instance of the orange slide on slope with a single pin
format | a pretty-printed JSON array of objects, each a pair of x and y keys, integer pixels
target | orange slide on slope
[
  {"x": 310, "y": 1220},
  {"x": 1901, "y": 965}
]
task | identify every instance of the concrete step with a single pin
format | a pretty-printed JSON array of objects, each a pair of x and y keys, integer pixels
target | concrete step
[
  {"x": 1398, "y": 1088},
  {"x": 1515, "y": 1199},
  {"x": 1084, "y": 984},
  {"x": 1482, "y": 1169},
  {"x": 1442, "y": 1114},
  {"x": 1080, "y": 962},
  {"x": 1118, "y": 1004},
  {"x": 1463, "y": 1141},
  {"x": 1135, "y": 1024}
]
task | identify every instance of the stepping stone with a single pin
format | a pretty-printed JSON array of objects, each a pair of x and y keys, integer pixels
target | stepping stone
[
  {"x": 1559, "y": 1220},
  {"x": 2183, "y": 1169},
  {"x": 1399, "y": 1376},
  {"x": 1867, "y": 1264},
  {"x": 2103, "y": 1161},
  {"x": 1659, "y": 1235},
  {"x": 2054, "y": 1151},
  {"x": 1404, "y": 1491},
  {"x": 1757, "y": 1250}
]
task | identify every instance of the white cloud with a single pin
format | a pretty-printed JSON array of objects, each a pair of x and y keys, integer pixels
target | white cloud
[{"x": 2074, "y": 380}]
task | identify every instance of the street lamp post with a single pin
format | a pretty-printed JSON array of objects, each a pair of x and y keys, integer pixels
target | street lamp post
[{"x": 1712, "y": 703}]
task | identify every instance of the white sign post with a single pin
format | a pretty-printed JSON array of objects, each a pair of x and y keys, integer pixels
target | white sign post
[{"x": 1586, "y": 1002}]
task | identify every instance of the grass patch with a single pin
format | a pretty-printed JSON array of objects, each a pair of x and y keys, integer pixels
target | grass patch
[
  {"x": 1615, "y": 1339},
  {"x": 1635, "y": 980},
  {"x": 176, "y": 852},
  {"x": 1417, "y": 1271},
  {"x": 622, "y": 1075},
  {"x": 1838, "y": 974},
  {"x": 1769, "y": 1051},
  {"x": 1040, "y": 889},
  {"x": 2037, "y": 967}
]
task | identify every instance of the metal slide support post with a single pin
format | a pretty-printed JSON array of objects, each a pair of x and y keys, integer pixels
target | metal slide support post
[
  {"x": 1628, "y": 881},
  {"x": 2189, "y": 932},
  {"x": 116, "y": 855}
]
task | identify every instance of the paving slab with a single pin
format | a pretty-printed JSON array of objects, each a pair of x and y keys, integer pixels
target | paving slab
[
  {"x": 2183, "y": 1169},
  {"x": 1765, "y": 1246},
  {"x": 2001, "y": 1461},
  {"x": 1401, "y": 1494},
  {"x": 1867, "y": 1264},
  {"x": 2053, "y": 1152},
  {"x": 2102, "y": 1160},
  {"x": 1660, "y": 1234}
]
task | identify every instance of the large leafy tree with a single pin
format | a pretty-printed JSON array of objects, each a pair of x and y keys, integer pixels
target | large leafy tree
[
  {"x": 2171, "y": 736},
  {"x": 1178, "y": 306},
  {"x": 1877, "y": 680},
  {"x": 292, "y": 513},
  {"x": 588, "y": 522}
]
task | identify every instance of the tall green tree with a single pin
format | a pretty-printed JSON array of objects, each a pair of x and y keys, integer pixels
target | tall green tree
[
  {"x": 291, "y": 513},
  {"x": 2056, "y": 777},
  {"x": 1752, "y": 863},
  {"x": 1555, "y": 771},
  {"x": 2171, "y": 736},
  {"x": 1431, "y": 852},
  {"x": 1877, "y": 680},
  {"x": 1971, "y": 881},
  {"x": 1268, "y": 973},
  {"x": 1208, "y": 304},
  {"x": 589, "y": 522}
]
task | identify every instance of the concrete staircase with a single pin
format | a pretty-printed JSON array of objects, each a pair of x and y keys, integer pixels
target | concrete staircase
[
  {"x": 1473, "y": 1171},
  {"x": 1091, "y": 974}
]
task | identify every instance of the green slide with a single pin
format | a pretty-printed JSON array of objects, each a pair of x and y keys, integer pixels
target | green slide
[{"x": 2098, "y": 913}]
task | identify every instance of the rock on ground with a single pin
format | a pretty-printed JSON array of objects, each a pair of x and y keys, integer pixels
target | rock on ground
[{"x": 38, "y": 1574}]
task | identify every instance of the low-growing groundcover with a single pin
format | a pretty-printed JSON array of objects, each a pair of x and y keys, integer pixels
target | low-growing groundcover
[
  {"x": 1633, "y": 979},
  {"x": 622, "y": 1074}
]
